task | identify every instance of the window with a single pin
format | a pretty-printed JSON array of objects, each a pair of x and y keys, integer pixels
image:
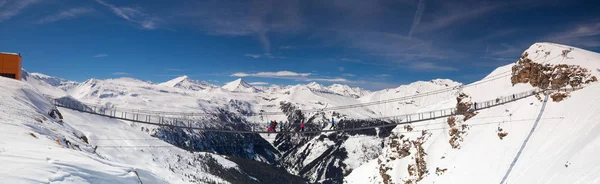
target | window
[{"x": 8, "y": 75}]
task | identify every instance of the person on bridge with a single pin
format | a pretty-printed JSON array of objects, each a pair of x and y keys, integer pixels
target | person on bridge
[
  {"x": 270, "y": 127},
  {"x": 274, "y": 126},
  {"x": 281, "y": 126},
  {"x": 302, "y": 126},
  {"x": 332, "y": 122}
]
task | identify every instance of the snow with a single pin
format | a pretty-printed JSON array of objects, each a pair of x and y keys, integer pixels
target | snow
[
  {"x": 239, "y": 85},
  {"x": 562, "y": 149},
  {"x": 10, "y": 53},
  {"x": 184, "y": 82},
  {"x": 40, "y": 159},
  {"x": 123, "y": 150}
]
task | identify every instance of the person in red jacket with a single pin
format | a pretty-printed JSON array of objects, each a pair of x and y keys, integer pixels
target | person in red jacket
[{"x": 302, "y": 126}]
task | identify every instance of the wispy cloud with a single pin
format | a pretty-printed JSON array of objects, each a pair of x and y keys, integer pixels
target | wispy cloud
[
  {"x": 100, "y": 55},
  {"x": 455, "y": 13},
  {"x": 258, "y": 83},
  {"x": 174, "y": 70},
  {"x": 267, "y": 55},
  {"x": 67, "y": 14},
  {"x": 271, "y": 74},
  {"x": 289, "y": 75},
  {"x": 349, "y": 75},
  {"x": 133, "y": 15},
  {"x": 382, "y": 75},
  {"x": 583, "y": 34},
  {"x": 287, "y": 47},
  {"x": 246, "y": 18},
  {"x": 9, "y": 9},
  {"x": 507, "y": 49},
  {"x": 395, "y": 48},
  {"x": 341, "y": 68},
  {"x": 120, "y": 73},
  {"x": 417, "y": 18},
  {"x": 428, "y": 66},
  {"x": 337, "y": 79},
  {"x": 255, "y": 56}
]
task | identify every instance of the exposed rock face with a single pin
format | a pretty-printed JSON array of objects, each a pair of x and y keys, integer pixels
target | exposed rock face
[
  {"x": 401, "y": 147},
  {"x": 557, "y": 97},
  {"x": 548, "y": 76},
  {"x": 458, "y": 129}
]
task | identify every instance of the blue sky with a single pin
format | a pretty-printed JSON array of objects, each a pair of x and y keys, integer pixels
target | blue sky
[{"x": 371, "y": 44}]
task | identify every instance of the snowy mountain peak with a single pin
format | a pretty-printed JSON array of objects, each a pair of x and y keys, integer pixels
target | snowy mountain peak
[
  {"x": 445, "y": 82},
  {"x": 346, "y": 90},
  {"x": 239, "y": 85},
  {"x": 52, "y": 81},
  {"x": 316, "y": 87},
  {"x": 184, "y": 82}
]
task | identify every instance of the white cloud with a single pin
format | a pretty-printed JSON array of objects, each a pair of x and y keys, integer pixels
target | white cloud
[
  {"x": 120, "y": 73},
  {"x": 349, "y": 75},
  {"x": 255, "y": 56},
  {"x": 271, "y": 74},
  {"x": 258, "y": 83},
  {"x": 428, "y": 66},
  {"x": 100, "y": 55},
  {"x": 10, "y": 9},
  {"x": 267, "y": 55},
  {"x": 134, "y": 15},
  {"x": 68, "y": 14},
  {"x": 382, "y": 75},
  {"x": 341, "y": 69},
  {"x": 338, "y": 79}
]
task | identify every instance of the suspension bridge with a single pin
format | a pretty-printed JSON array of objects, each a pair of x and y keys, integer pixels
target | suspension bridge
[{"x": 216, "y": 125}]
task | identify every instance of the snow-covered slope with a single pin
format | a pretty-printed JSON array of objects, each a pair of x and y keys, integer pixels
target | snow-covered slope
[
  {"x": 185, "y": 82},
  {"x": 239, "y": 85},
  {"x": 74, "y": 147},
  {"x": 561, "y": 148},
  {"x": 37, "y": 148}
]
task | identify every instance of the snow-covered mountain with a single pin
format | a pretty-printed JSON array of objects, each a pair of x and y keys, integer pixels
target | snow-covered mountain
[
  {"x": 273, "y": 88},
  {"x": 436, "y": 151},
  {"x": 410, "y": 105},
  {"x": 239, "y": 85},
  {"x": 489, "y": 144},
  {"x": 53, "y": 85},
  {"x": 185, "y": 82},
  {"x": 343, "y": 90},
  {"x": 346, "y": 90},
  {"x": 65, "y": 146}
]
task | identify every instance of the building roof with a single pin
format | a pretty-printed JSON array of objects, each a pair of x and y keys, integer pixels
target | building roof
[{"x": 10, "y": 53}]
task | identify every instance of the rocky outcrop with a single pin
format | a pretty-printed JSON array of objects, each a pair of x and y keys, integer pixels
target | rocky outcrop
[{"x": 548, "y": 76}]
